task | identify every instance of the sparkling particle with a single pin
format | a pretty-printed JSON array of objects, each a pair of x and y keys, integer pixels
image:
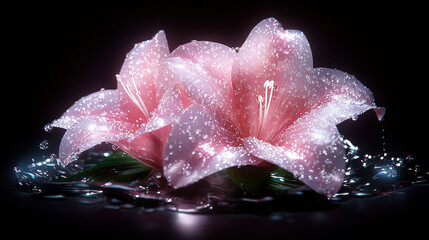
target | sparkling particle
[
  {"x": 44, "y": 145},
  {"x": 48, "y": 127}
]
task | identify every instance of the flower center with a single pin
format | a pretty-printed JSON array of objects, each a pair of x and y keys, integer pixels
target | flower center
[
  {"x": 263, "y": 110},
  {"x": 135, "y": 98}
]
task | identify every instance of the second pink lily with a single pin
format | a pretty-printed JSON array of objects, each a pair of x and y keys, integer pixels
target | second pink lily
[{"x": 264, "y": 104}]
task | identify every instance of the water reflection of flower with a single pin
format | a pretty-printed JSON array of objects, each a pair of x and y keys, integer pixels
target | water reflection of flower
[{"x": 190, "y": 225}]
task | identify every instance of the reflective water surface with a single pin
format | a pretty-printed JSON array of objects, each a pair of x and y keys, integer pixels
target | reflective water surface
[{"x": 366, "y": 176}]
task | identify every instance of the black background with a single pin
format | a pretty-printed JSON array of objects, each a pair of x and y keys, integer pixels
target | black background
[{"x": 54, "y": 53}]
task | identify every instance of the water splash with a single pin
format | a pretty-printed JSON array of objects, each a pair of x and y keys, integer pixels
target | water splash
[
  {"x": 366, "y": 175},
  {"x": 370, "y": 175}
]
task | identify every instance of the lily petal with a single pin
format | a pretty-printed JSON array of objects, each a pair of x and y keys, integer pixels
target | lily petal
[
  {"x": 147, "y": 143},
  {"x": 312, "y": 153},
  {"x": 136, "y": 81},
  {"x": 204, "y": 70},
  {"x": 301, "y": 91},
  {"x": 269, "y": 45},
  {"x": 267, "y": 48},
  {"x": 146, "y": 148},
  {"x": 168, "y": 111},
  {"x": 200, "y": 144},
  {"x": 308, "y": 144},
  {"x": 166, "y": 79},
  {"x": 103, "y": 104},
  {"x": 343, "y": 89},
  {"x": 91, "y": 131}
]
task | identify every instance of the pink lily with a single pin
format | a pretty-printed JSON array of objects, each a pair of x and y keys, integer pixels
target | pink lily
[
  {"x": 136, "y": 117},
  {"x": 265, "y": 103}
]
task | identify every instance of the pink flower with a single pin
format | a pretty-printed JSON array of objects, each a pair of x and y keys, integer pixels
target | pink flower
[
  {"x": 265, "y": 103},
  {"x": 136, "y": 117}
]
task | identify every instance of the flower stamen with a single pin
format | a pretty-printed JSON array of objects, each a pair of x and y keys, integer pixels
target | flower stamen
[
  {"x": 260, "y": 99},
  {"x": 137, "y": 100},
  {"x": 263, "y": 112}
]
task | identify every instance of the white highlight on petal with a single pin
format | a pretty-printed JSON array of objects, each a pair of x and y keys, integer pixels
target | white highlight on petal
[{"x": 208, "y": 148}]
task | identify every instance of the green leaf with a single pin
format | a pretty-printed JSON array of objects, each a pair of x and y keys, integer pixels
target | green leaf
[
  {"x": 248, "y": 178},
  {"x": 282, "y": 180},
  {"x": 118, "y": 167}
]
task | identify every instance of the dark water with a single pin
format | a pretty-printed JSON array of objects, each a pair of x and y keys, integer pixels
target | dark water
[{"x": 366, "y": 176}]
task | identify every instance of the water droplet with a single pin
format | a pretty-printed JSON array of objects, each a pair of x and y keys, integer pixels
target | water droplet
[
  {"x": 115, "y": 147},
  {"x": 48, "y": 127},
  {"x": 53, "y": 156},
  {"x": 74, "y": 156},
  {"x": 44, "y": 145}
]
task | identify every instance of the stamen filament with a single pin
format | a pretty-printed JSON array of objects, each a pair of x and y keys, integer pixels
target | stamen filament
[
  {"x": 145, "y": 111},
  {"x": 138, "y": 101},
  {"x": 271, "y": 86},
  {"x": 263, "y": 113},
  {"x": 260, "y": 99}
]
